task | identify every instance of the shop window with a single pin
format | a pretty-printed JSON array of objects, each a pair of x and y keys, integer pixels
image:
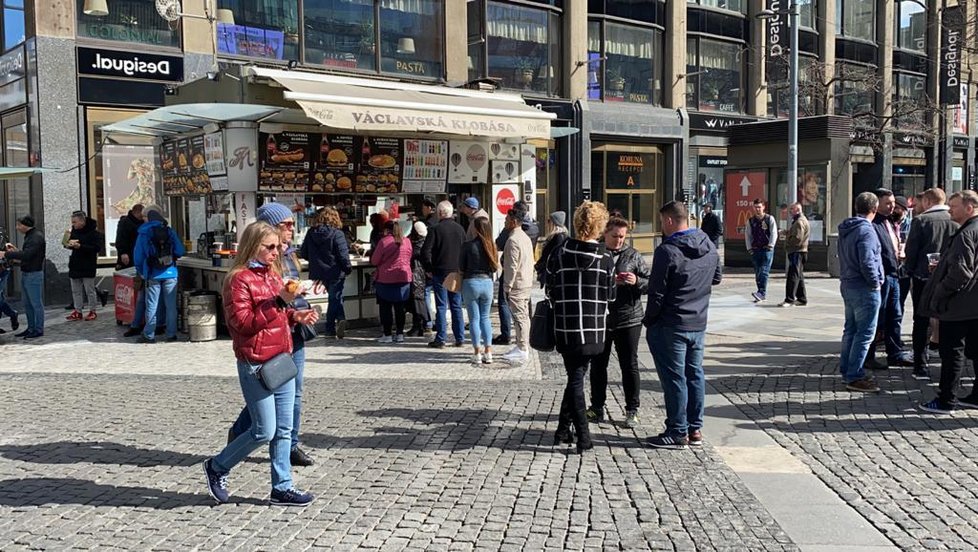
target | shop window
[
  {"x": 625, "y": 63},
  {"x": 345, "y": 34},
  {"x": 13, "y": 23},
  {"x": 806, "y": 13},
  {"x": 709, "y": 183},
  {"x": 739, "y": 6},
  {"x": 547, "y": 185},
  {"x": 911, "y": 105},
  {"x": 855, "y": 92},
  {"x": 811, "y": 194},
  {"x": 519, "y": 45},
  {"x": 779, "y": 88},
  {"x": 911, "y": 26},
  {"x": 909, "y": 180},
  {"x": 262, "y": 29},
  {"x": 856, "y": 19},
  {"x": 134, "y": 21},
  {"x": 715, "y": 75}
]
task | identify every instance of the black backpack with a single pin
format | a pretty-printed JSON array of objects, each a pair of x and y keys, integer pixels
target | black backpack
[{"x": 161, "y": 250}]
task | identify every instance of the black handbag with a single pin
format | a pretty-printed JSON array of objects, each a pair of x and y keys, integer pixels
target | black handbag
[
  {"x": 542, "y": 334},
  {"x": 277, "y": 371}
]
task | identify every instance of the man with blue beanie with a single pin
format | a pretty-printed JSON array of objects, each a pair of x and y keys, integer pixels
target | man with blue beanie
[{"x": 155, "y": 256}]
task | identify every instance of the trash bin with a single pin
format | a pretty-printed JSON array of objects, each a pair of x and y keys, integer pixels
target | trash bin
[
  {"x": 202, "y": 316},
  {"x": 124, "y": 288}
]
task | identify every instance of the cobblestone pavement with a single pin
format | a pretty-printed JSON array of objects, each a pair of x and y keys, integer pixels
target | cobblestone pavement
[
  {"x": 414, "y": 449},
  {"x": 911, "y": 474}
]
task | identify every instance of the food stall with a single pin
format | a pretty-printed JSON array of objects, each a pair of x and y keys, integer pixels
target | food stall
[{"x": 309, "y": 140}]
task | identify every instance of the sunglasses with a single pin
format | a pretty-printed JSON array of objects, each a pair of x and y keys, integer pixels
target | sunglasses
[
  {"x": 270, "y": 247},
  {"x": 287, "y": 224}
]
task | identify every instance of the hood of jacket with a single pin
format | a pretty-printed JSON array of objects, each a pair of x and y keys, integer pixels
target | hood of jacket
[
  {"x": 853, "y": 224},
  {"x": 146, "y": 229},
  {"x": 90, "y": 226},
  {"x": 584, "y": 254},
  {"x": 692, "y": 244}
]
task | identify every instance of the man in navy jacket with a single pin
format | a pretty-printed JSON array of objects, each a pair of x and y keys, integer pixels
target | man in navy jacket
[
  {"x": 684, "y": 269},
  {"x": 891, "y": 310}
]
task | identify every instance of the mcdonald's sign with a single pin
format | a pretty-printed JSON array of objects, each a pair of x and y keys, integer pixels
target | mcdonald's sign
[{"x": 741, "y": 188}]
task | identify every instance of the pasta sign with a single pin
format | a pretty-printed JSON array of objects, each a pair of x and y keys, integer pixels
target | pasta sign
[{"x": 741, "y": 189}]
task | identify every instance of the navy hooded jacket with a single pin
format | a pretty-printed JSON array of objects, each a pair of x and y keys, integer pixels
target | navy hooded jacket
[
  {"x": 684, "y": 269},
  {"x": 326, "y": 250},
  {"x": 860, "y": 265}
]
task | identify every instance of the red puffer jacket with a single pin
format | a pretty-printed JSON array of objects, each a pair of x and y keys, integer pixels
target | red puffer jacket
[{"x": 258, "y": 326}]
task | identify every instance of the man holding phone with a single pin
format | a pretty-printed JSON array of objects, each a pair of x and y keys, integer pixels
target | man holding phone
[{"x": 624, "y": 324}]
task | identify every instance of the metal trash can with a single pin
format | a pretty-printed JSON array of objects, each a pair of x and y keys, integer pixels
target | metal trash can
[{"x": 202, "y": 316}]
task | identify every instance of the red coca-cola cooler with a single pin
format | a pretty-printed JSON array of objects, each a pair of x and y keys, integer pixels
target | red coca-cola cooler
[{"x": 124, "y": 290}]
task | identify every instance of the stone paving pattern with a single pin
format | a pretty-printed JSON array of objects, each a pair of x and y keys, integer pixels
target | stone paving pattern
[{"x": 105, "y": 438}]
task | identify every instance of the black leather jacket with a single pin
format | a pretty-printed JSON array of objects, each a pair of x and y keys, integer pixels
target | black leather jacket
[{"x": 627, "y": 309}]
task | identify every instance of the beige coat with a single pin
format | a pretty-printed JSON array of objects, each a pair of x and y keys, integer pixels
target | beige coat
[
  {"x": 796, "y": 239},
  {"x": 518, "y": 263}
]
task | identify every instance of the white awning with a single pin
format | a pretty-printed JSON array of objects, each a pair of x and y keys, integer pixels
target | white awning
[
  {"x": 175, "y": 120},
  {"x": 365, "y": 105},
  {"x": 21, "y": 172}
]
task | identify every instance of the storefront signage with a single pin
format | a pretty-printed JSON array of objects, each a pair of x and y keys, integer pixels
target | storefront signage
[
  {"x": 504, "y": 196},
  {"x": 952, "y": 37},
  {"x": 741, "y": 189},
  {"x": 777, "y": 41},
  {"x": 12, "y": 66},
  {"x": 962, "y": 142},
  {"x": 285, "y": 161},
  {"x": 699, "y": 121},
  {"x": 712, "y": 161},
  {"x": 468, "y": 162},
  {"x": 959, "y": 117},
  {"x": 113, "y": 63},
  {"x": 379, "y": 170},
  {"x": 335, "y": 170},
  {"x": 505, "y": 172},
  {"x": 912, "y": 140},
  {"x": 630, "y": 170}
]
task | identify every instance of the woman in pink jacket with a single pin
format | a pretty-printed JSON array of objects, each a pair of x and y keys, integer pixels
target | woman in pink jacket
[{"x": 392, "y": 280}]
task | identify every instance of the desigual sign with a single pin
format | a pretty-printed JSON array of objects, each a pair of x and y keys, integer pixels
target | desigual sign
[{"x": 113, "y": 63}]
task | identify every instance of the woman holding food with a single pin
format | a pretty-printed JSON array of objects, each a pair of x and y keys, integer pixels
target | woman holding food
[
  {"x": 392, "y": 280},
  {"x": 280, "y": 217},
  {"x": 325, "y": 247},
  {"x": 256, "y": 307}
]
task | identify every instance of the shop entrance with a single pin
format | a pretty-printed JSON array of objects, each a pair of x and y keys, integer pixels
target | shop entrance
[
  {"x": 15, "y": 194},
  {"x": 631, "y": 180}
]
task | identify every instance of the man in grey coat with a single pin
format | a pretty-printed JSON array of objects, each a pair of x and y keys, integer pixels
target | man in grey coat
[
  {"x": 930, "y": 232},
  {"x": 951, "y": 295}
]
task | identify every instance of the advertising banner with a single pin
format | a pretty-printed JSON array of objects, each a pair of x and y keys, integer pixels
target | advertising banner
[
  {"x": 129, "y": 177},
  {"x": 741, "y": 189},
  {"x": 504, "y": 196},
  {"x": 952, "y": 41},
  {"x": 468, "y": 163}
]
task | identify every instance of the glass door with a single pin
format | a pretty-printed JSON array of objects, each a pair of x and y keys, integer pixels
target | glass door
[
  {"x": 632, "y": 179},
  {"x": 15, "y": 193}
]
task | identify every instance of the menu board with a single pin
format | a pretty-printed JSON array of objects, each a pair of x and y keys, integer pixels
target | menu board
[
  {"x": 284, "y": 161},
  {"x": 425, "y": 160},
  {"x": 469, "y": 163},
  {"x": 184, "y": 167},
  {"x": 334, "y": 164},
  {"x": 380, "y": 165},
  {"x": 214, "y": 154}
]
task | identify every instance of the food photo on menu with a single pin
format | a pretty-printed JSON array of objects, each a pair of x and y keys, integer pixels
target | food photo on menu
[
  {"x": 380, "y": 165},
  {"x": 334, "y": 166},
  {"x": 285, "y": 162}
]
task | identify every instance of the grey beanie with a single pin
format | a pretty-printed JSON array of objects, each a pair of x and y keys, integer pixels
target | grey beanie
[{"x": 558, "y": 218}]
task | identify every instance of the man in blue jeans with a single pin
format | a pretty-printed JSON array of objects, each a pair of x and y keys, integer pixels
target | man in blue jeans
[
  {"x": 440, "y": 257},
  {"x": 684, "y": 270},
  {"x": 761, "y": 233},
  {"x": 860, "y": 280},
  {"x": 31, "y": 259},
  {"x": 155, "y": 256}
]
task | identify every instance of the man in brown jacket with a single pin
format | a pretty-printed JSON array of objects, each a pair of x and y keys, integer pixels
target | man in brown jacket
[
  {"x": 796, "y": 244},
  {"x": 518, "y": 277}
]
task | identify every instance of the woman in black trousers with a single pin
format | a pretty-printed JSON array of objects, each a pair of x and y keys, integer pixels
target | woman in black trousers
[{"x": 580, "y": 285}]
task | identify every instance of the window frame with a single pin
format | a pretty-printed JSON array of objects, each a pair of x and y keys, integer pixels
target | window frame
[
  {"x": 900, "y": 121},
  {"x": 840, "y": 27},
  {"x": 774, "y": 108},
  {"x": 898, "y": 14},
  {"x": 700, "y": 4},
  {"x": 838, "y": 94},
  {"x": 658, "y": 33},
  {"x": 123, "y": 44},
  {"x": 699, "y": 71}
]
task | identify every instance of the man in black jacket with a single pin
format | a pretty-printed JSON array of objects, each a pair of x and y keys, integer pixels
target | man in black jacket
[
  {"x": 624, "y": 325},
  {"x": 684, "y": 269},
  {"x": 711, "y": 224},
  {"x": 891, "y": 314},
  {"x": 125, "y": 236},
  {"x": 31, "y": 260},
  {"x": 85, "y": 242},
  {"x": 951, "y": 295},
  {"x": 440, "y": 257},
  {"x": 930, "y": 232}
]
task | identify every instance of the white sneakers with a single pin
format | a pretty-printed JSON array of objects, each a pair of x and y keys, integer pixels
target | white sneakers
[
  {"x": 399, "y": 338},
  {"x": 517, "y": 356},
  {"x": 477, "y": 358},
  {"x": 487, "y": 358},
  {"x": 385, "y": 339}
]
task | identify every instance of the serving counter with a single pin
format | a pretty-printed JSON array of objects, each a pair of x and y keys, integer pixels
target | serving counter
[{"x": 359, "y": 299}]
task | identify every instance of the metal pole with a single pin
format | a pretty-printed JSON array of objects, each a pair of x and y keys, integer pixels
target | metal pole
[{"x": 793, "y": 10}]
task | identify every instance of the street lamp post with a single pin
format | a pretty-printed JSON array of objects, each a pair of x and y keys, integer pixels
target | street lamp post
[{"x": 793, "y": 12}]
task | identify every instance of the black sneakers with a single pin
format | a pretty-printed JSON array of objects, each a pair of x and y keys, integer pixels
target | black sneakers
[
  {"x": 217, "y": 484},
  {"x": 298, "y": 457},
  {"x": 291, "y": 497},
  {"x": 664, "y": 441}
]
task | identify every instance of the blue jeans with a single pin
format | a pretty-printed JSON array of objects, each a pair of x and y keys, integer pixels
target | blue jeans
[
  {"x": 445, "y": 300},
  {"x": 505, "y": 314},
  {"x": 891, "y": 317},
  {"x": 678, "y": 357},
  {"x": 243, "y": 423},
  {"x": 429, "y": 291},
  {"x": 5, "y": 308},
  {"x": 862, "y": 312},
  {"x": 32, "y": 286},
  {"x": 334, "y": 308},
  {"x": 168, "y": 289},
  {"x": 762, "y": 260},
  {"x": 139, "y": 313},
  {"x": 271, "y": 412},
  {"x": 478, "y": 298}
]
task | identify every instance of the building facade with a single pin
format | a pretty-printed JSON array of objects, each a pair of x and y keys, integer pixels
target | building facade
[{"x": 646, "y": 92}]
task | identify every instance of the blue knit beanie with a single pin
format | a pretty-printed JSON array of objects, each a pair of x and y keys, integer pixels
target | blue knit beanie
[{"x": 274, "y": 213}]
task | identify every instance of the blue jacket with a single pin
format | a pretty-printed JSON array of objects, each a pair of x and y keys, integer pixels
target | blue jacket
[
  {"x": 144, "y": 249},
  {"x": 860, "y": 264},
  {"x": 684, "y": 269},
  {"x": 328, "y": 254}
]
